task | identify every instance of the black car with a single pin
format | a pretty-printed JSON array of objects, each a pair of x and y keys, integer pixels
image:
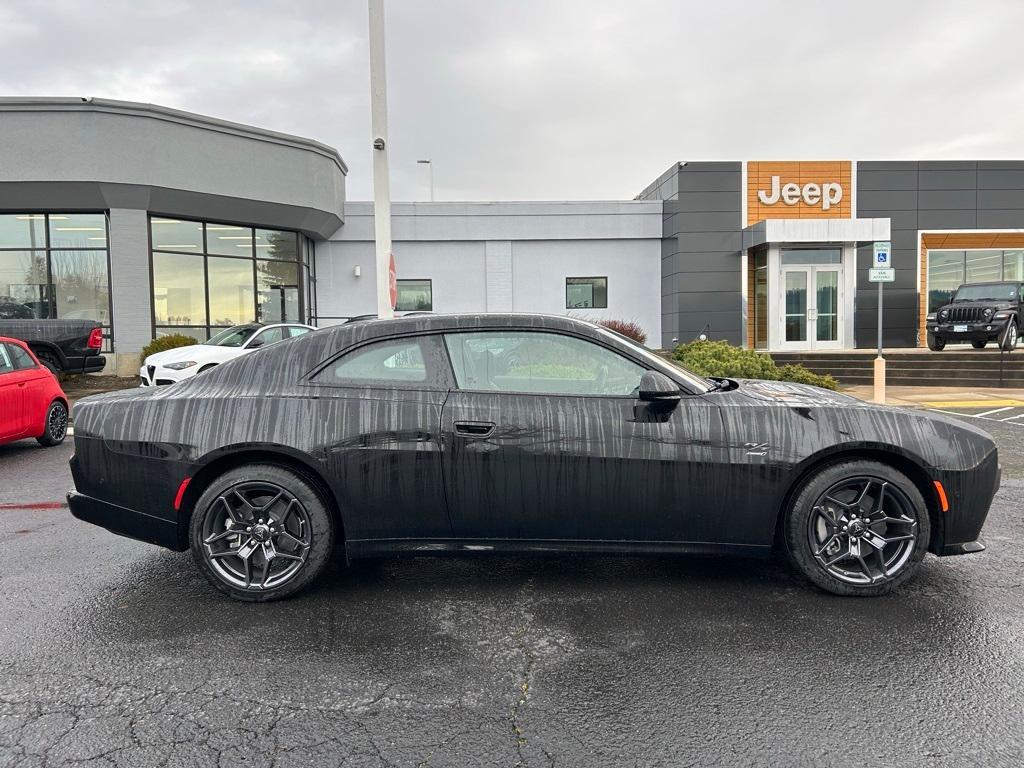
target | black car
[
  {"x": 978, "y": 313},
  {"x": 510, "y": 433}
]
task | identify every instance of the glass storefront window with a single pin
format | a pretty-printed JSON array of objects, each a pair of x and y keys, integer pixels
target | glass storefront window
[
  {"x": 277, "y": 283},
  {"x": 276, "y": 244},
  {"x": 179, "y": 289},
  {"x": 231, "y": 291},
  {"x": 1013, "y": 265},
  {"x": 199, "y": 334},
  {"x": 24, "y": 293},
  {"x": 228, "y": 240},
  {"x": 586, "y": 292},
  {"x": 176, "y": 235},
  {"x": 761, "y": 301},
  {"x": 984, "y": 266},
  {"x": 415, "y": 296},
  {"x": 81, "y": 286},
  {"x": 23, "y": 230},
  {"x": 812, "y": 256},
  {"x": 78, "y": 230},
  {"x": 796, "y": 305},
  {"x": 945, "y": 275}
]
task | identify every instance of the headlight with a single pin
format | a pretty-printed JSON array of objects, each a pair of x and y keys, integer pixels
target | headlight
[
  {"x": 1000, "y": 315},
  {"x": 931, "y": 318},
  {"x": 180, "y": 366},
  {"x": 943, "y": 314},
  {"x": 987, "y": 312}
]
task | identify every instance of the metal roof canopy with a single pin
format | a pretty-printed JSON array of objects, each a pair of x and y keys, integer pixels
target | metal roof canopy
[{"x": 816, "y": 231}]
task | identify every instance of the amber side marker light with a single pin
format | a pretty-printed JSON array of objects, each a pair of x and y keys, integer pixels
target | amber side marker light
[
  {"x": 943, "y": 501},
  {"x": 184, "y": 484}
]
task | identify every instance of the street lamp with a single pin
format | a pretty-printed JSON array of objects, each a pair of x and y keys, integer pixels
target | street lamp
[{"x": 430, "y": 165}]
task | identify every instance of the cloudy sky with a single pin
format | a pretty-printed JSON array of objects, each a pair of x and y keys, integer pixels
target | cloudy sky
[{"x": 553, "y": 99}]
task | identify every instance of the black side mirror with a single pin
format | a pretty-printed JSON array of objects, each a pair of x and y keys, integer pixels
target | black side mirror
[
  {"x": 658, "y": 388},
  {"x": 255, "y": 343}
]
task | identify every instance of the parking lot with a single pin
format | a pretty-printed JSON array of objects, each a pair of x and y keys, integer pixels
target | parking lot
[{"x": 115, "y": 653}]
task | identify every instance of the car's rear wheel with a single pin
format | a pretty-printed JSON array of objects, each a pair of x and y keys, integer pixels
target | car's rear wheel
[
  {"x": 979, "y": 344},
  {"x": 261, "y": 532},
  {"x": 936, "y": 343},
  {"x": 857, "y": 528},
  {"x": 49, "y": 362},
  {"x": 56, "y": 428}
]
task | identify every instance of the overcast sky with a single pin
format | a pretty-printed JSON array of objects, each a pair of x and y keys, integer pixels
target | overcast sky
[{"x": 553, "y": 99}]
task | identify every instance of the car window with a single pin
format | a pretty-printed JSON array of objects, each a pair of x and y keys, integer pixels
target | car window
[
  {"x": 21, "y": 359},
  {"x": 232, "y": 337},
  {"x": 269, "y": 336},
  {"x": 297, "y": 330},
  {"x": 385, "y": 361},
  {"x": 541, "y": 363},
  {"x": 6, "y": 366}
]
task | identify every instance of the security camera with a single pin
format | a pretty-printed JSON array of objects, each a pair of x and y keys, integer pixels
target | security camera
[{"x": 378, "y": 143}]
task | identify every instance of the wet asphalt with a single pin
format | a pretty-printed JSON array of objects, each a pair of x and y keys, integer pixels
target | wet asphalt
[{"x": 115, "y": 653}]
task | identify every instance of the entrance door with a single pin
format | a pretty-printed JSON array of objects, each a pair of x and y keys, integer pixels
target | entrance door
[{"x": 811, "y": 301}]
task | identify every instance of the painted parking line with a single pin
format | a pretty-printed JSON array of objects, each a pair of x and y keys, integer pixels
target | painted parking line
[
  {"x": 995, "y": 410},
  {"x": 1013, "y": 420},
  {"x": 939, "y": 404},
  {"x": 32, "y": 505}
]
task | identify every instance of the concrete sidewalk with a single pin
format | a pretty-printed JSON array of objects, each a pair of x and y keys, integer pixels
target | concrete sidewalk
[{"x": 944, "y": 397}]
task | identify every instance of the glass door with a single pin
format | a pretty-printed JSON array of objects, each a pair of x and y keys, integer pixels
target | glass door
[{"x": 811, "y": 301}]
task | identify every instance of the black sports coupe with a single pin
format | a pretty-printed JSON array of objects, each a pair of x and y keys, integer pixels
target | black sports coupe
[{"x": 510, "y": 433}]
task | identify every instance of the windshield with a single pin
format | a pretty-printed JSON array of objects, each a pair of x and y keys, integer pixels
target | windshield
[
  {"x": 987, "y": 292},
  {"x": 698, "y": 383},
  {"x": 232, "y": 337}
]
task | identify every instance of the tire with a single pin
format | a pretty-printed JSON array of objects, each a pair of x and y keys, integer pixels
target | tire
[
  {"x": 936, "y": 343},
  {"x": 979, "y": 344},
  {"x": 1010, "y": 336},
  {"x": 818, "y": 553},
  {"x": 307, "y": 540},
  {"x": 56, "y": 427}
]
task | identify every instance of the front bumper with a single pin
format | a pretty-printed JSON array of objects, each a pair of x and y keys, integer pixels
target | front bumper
[
  {"x": 158, "y": 376},
  {"x": 124, "y": 521},
  {"x": 990, "y": 331},
  {"x": 970, "y": 493}
]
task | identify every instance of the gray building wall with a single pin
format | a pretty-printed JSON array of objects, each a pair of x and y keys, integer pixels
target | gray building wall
[
  {"x": 926, "y": 195},
  {"x": 701, "y": 264},
  {"x": 502, "y": 257}
]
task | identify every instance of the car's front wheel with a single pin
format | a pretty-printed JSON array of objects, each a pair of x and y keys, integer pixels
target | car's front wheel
[
  {"x": 56, "y": 428},
  {"x": 1010, "y": 336},
  {"x": 857, "y": 528},
  {"x": 936, "y": 343},
  {"x": 261, "y": 532}
]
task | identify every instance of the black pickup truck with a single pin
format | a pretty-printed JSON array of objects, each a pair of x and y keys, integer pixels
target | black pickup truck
[
  {"x": 63, "y": 346},
  {"x": 978, "y": 313}
]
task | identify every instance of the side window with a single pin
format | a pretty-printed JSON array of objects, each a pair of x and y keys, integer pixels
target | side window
[
  {"x": 6, "y": 366},
  {"x": 20, "y": 358},
  {"x": 297, "y": 330},
  {"x": 394, "y": 361},
  {"x": 269, "y": 336},
  {"x": 539, "y": 363}
]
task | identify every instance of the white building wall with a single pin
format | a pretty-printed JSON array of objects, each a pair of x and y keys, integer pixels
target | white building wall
[{"x": 501, "y": 257}]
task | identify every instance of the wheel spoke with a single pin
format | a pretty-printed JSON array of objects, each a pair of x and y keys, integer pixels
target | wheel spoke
[
  {"x": 232, "y": 512},
  {"x": 247, "y": 549},
  {"x": 828, "y": 543},
  {"x": 294, "y": 540},
  {"x": 222, "y": 535},
  {"x": 830, "y": 519},
  {"x": 876, "y": 541},
  {"x": 272, "y": 502},
  {"x": 881, "y": 562},
  {"x": 881, "y": 498}
]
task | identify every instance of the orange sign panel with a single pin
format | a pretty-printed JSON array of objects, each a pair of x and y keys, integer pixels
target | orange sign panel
[{"x": 799, "y": 190}]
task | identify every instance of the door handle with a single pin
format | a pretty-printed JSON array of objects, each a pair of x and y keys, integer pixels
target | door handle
[{"x": 474, "y": 428}]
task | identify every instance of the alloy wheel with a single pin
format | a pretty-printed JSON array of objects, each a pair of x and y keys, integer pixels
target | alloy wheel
[
  {"x": 256, "y": 536},
  {"x": 863, "y": 530},
  {"x": 57, "y": 422}
]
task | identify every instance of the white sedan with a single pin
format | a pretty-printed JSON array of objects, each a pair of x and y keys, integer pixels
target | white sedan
[{"x": 181, "y": 363}]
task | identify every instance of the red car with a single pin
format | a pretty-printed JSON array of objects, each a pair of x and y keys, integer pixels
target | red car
[{"x": 32, "y": 404}]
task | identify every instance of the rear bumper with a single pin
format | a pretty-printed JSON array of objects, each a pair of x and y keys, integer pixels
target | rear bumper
[
  {"x": 85, "y": 364},
  {"x": 124, "y": 521}
]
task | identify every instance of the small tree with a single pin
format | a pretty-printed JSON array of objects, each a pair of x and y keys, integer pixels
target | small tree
[{"x": 170, "y": 341}]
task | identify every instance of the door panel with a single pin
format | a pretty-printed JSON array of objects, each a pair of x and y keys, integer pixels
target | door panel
[
  {"x": 812, "y": 300},
  {"x": 583, "y": 468}
]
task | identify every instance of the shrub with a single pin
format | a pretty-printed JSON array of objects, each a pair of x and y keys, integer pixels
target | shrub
[
  {"x": 629, "y": 328},
  {"x": 721, "y": 359},
  {"x": 170, "y": 341}
]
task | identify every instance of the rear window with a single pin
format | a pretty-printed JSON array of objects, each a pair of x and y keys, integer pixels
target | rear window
[
  {"x": 6, "y": 366},
  {"x": 394, "y": 362},
  {"x": 22, "y": 360}
]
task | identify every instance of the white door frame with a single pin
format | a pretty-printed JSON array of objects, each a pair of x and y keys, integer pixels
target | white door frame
[
  {"x": 847, "y": 273},
  {"x": 811, "y": 342}
]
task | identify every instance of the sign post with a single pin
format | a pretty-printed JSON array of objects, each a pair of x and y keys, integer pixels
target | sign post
[
  {"x": 385, "y": 259},
  {"x": 881, "y": 272}
]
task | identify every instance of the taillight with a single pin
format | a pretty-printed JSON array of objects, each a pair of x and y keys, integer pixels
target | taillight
[{"x": 95, "y": 339}]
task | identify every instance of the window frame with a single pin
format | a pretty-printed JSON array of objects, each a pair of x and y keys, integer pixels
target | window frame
[
  {"x": 439, "y": 378},
  {"x": 554, "y": 332},
  {"x": 586, "y": 277}
]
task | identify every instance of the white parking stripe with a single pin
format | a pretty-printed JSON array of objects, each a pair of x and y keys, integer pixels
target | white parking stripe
[
  {"x": 1017, "y": 416},
  {"x": 994, "y": 410}
]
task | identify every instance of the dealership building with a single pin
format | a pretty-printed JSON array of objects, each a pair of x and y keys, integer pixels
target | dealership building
[{"x": 152, "y": 220}]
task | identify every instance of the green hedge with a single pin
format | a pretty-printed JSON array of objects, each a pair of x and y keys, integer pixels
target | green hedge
[
  {"x": 170, "y": 341},
  {"x": 721, "y": 359}
]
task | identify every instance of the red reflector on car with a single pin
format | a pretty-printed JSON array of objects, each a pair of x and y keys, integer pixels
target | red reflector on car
[
  {"x": 181, "y": 493},
  {"x": 95, "y": 339},
  {"x": 943, "y": 501}
]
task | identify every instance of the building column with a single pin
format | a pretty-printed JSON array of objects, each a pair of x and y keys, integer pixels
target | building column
[{"x": 130, "y": 288}]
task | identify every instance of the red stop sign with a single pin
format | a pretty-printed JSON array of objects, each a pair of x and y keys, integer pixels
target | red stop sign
[{"x": 393, "y": 282}]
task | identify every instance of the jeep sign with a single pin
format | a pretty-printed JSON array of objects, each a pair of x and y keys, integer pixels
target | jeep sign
[{"x": 826, "y": 195}]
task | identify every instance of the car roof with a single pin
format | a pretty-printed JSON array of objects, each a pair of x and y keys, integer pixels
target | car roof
[{"x": 9, "y": 340}]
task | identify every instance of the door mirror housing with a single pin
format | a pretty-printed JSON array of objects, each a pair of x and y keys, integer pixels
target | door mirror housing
[{"x": 659, "y": 388}]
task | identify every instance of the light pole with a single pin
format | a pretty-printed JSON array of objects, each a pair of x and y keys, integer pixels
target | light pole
[
  {"x": 381, "y": 185},
  {"x": 429, "y": 165}
]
